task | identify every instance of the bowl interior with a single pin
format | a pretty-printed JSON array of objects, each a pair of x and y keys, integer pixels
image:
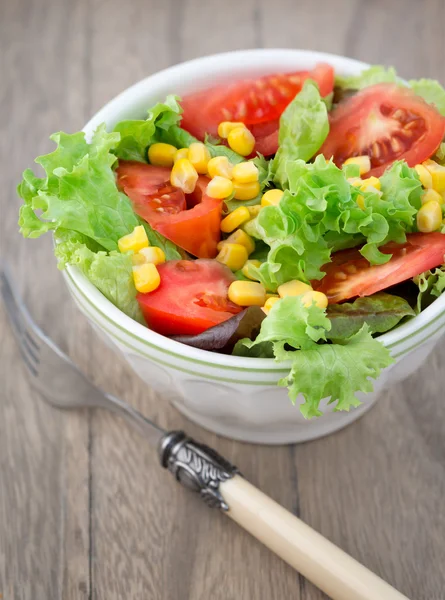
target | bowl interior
[{"x": 192, "y": 76}]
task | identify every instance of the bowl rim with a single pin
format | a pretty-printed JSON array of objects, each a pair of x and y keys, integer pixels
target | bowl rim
[{"x": 262, "y": 59}]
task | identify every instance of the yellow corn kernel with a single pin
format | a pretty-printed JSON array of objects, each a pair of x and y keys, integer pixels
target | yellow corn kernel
[
  {"x": 226, "y": 127},
  {"x": 247, "y": 293},
  {"x": 361, "y": 202},
  {"x": 437, "y": 174},
  {"x": 152, "y": 254},
  {"x": 246, "y": 191},
  {"x": 271, "y": 197},
  {"x": 293, "y": 288},
  {"x": 355, "y": 181},
  {"x": 233, "y": 256},
  {"x": 241, "y": 140},
  {"x": 136, "y": 240},
  {"x": 424, "y": 175},
  {"x": 271, "y": 295},
  {"x": 161, "y": 155},
  {"x": 309, "y": 298},
  {"x": 363, "y": 162},
  {"x": 431, "y": 195},
  {"x": 235, "y": 219},
  {"x": 240, "y": 237},
  {"x": 245, "y": 172},
  {"x": 220, "y": 165},
  {"x": 219, "y": 187},
  {"x": 146, "y": 277},
  {"x": 199, "y": 156},
  {"x": 184, "y": 175},
  {"x": 429, "y": 217},
  {"x": 246, "y": 270},
  {"x": 254, "y": 211},
  {"x": 372, "y": 182},
  {"x": 181, "y": 153},
  {"x": 269, "y": 303}
]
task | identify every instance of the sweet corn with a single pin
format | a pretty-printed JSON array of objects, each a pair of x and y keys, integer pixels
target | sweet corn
[
  {"x": 372, "y": 182},
  {"x": 219, "y": 187},
  {"x": 240, "y": 237},
  {"x": 269, "y": 303},
  {"x": 245, "y": 172},
  {"x": 361, "y": 202},
  {"x": 271, "y": 295},
  {"x": 246, "y": 191},
  {"x": 247, "y": 293},
  {"x": 152, "y": 254},
  {"x": 136, "y": 240},
  {"x": 199, "y": 156},
  {"x": 226, "y": 127},
  {"x": 247, "y": 269},
  {"x": 437, "y": 174},
  {"x": 146, "y": 277},
  {"x": 363, "y": 162},
  {"x": 429, "y": 217},
  {"x": 233, "y": 256},
  {"x": 317, "y": 298},
  {"x": 271, "y": 197},
  {"x": 431, "y": 195},
  {"x": 184, "y": 175},
  {"x": 293, "y": 288},
  {"x": 181, "y": 153},
  {"x": 161, "y": 155},
  {"x": 424, "y": 175},
  {"x": 235, "y": 219},
  {"x": 220, "y": 165},
  {"x": 254, "y": 211},
  {"x": 355, "y": 181},
  {"x": 241, "y": 140}
]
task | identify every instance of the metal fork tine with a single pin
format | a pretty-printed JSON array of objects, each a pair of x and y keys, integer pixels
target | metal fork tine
[
  {"x": 31, "y": 348},
  {"x": 28, "y": 363}
]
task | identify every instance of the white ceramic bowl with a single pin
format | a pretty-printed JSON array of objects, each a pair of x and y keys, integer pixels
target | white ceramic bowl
[{"x": 235, "y": 397}]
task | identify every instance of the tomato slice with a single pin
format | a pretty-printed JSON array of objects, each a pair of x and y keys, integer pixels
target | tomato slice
[
  {"x": 266, "y": 137},
  {"x": 386, "y": 122},
  {"x": 191, "y": 298},
  {"x": 250, "y": 101},
  {"x": 350, "y": 274},
  {"x": 191, "y": 221}
]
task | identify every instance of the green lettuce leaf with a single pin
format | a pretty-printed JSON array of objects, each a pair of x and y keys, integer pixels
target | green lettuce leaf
[
  {"x": 319, "y": 213},
  {"x": 137, "y": 135},
  {"x": 79, "y": 192},
  {"x": 371, "y": 76},
  {"x": 431, "y": 91},
  {"x": 110, "y": 272},
  {"x": 440, "y": 154},
  {"x": 304, "y": 127},
  {"x": 431, "y": 285},
  {"x": 318, "y": 371},
  {"x": 381, "y": 312}
]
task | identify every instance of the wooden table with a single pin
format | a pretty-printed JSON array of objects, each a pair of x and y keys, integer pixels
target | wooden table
[{"x": 85, "y": 513}]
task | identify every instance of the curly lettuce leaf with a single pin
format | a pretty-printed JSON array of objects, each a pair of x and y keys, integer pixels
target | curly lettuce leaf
[
  {"x": 381, "y": 312},
  {"x": 431, "y": 91},
  {"x": 79, "y": 192},
  {"x": 137, "y": 135},
  {"x": 304, "y": 127},
  {"x": 318, "y": 371},
  {"x": 431, "y": 285},
  {"x": 372, "y": 76},
  {"x": 319, "y": 213},
  {"x": 110, "y": 272}
]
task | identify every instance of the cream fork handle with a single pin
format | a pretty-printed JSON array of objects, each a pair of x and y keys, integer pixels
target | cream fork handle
[{"x": 333, "y": 571}]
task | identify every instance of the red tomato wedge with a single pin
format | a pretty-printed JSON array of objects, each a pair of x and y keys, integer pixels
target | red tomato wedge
[
  {"x": 191, "y": 298},
  {"x": 350, "y": 275},
  {"x": 191, "y": 221},
  {"x": 250, "y": 101},
  {"x": 266, "y": 137},
  {"x": 386, "y": 122}
]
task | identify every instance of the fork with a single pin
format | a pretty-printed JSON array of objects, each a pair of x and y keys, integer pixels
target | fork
[{"x": 197, "y": 467}]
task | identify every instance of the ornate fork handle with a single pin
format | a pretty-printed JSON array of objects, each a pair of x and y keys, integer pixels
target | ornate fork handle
[{"x": 196, "y": 466}]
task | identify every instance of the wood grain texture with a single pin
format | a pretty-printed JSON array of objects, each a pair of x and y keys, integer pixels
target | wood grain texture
[{"x": 85, "y": 513}]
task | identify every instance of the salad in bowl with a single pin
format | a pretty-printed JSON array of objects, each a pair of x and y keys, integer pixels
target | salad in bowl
[{"x": 294, "y": 216}]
